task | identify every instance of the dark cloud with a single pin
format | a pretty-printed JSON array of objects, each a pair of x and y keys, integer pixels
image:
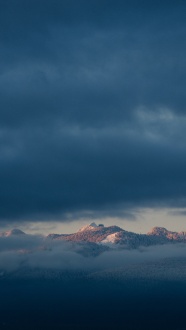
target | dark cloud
[{"x": 92, "y": 107}]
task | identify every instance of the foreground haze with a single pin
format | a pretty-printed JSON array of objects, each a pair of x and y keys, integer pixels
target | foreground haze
[{"x": 97, "y": 278}]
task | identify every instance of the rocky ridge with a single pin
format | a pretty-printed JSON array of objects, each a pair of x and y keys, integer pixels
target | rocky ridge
[
  {"x": 114, "y": 236},
  {"x": 99, "y": 237}
]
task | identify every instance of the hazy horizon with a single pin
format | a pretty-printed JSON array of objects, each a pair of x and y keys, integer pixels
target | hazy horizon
[{"x": 172, "y": 219}]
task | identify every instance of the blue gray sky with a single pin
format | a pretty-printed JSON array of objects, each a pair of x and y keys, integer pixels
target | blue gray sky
[{"x": 92, "y": 111}]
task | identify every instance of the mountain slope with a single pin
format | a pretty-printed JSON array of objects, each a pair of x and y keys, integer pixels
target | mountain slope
[
  {"x": 114, "y": 236},
  {"x": 13, "y": 232},
  {"x": 91, "y": 233}
]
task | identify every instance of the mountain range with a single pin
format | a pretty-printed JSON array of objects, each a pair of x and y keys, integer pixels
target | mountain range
[
  {"x": 114, "y": 236},
  {"x": 96, "y": 251},
  {"x": 111, "y": 237}
]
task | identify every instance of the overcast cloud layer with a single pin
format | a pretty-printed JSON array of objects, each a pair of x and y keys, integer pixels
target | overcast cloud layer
[{"x": 92, "y": 107}]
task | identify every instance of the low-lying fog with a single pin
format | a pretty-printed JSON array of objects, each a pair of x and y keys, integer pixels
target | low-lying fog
[{"x": 37, "y": 252}]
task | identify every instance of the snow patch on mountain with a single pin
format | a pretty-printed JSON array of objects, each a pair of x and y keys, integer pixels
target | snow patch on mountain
[{"x": 110, "y": 239}]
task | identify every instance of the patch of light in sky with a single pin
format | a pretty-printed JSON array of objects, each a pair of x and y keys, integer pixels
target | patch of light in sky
[{"x": 172, "y": 219}]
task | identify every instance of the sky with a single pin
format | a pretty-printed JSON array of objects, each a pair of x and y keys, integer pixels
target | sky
[{"x": 92, "y": 114}]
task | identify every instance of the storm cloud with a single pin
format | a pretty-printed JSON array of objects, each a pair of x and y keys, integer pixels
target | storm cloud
[{"x": 92, "y": 107}]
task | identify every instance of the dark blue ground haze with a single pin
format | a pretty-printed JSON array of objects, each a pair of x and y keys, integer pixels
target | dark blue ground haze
[{"x": 80, "y": 304}]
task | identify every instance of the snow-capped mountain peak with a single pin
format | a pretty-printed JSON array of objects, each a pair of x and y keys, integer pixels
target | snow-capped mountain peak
[
  {"x": 159, "y": 231},
  {"x": 91, "y": 226},
  {"x": 12, "y": 232}
]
